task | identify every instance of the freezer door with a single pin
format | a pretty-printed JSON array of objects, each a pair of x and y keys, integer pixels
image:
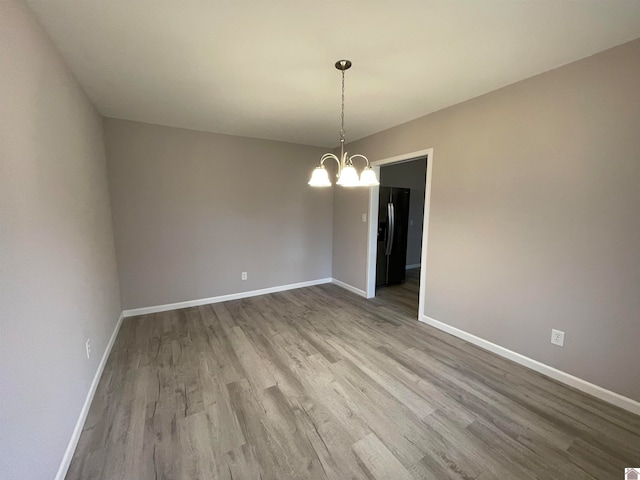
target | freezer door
[
  {"x": 397, "y": 257},
  {"x": 383, "y": 236}
]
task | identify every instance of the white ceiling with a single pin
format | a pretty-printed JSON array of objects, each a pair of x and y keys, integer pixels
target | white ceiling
[{"x": 265, "y": 68}]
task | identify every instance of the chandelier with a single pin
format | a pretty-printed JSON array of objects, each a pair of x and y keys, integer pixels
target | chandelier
[{"x": 347, "y": 174}]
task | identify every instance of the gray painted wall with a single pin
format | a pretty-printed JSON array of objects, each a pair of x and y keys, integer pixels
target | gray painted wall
[
  {"x": 192, "y": 210},
  {"x": 58, "y": 279},
  {"x": 534, "y": 215},
  {"x": 410, "y": 175},
  {"x": 350, "y": 259}
]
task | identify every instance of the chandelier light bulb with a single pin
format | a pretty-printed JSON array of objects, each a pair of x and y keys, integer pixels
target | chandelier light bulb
[
  {"x": 320, "y": 177},
  {"x": 368, "y": 178},
  {"x": 348, "y": 177}
]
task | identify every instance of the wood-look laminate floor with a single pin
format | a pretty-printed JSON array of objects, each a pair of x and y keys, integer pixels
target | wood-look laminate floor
[
  {"x": 318, "y": 383},
  {"x": 402, "y": 298}
]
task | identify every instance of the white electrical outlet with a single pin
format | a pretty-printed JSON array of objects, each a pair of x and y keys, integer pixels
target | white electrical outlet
[
  {"x": 557, "y": 337},
  {"x": 87, "y": 346},
  {"x": 364, "y": 218},
  {"x": 244, "y": 275}
]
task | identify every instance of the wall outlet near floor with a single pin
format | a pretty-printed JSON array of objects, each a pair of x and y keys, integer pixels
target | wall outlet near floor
[
  {"x": 364, "y": 218},
  {"x": 87, "y": 346},
  {"x": 244, "y": 275},
  {"x": 557, "y": 337}
]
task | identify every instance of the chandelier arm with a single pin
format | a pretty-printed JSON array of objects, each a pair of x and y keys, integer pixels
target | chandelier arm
[
  {"x": 327, "y": 156},
  {"x": 359, "y": 156}
]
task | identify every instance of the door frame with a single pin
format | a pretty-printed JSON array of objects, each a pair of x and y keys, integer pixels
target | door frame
[{"x": 372, "y": 234}]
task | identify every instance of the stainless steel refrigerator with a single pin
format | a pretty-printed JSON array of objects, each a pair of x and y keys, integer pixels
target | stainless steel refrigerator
[{"x": 393, "y": 226}]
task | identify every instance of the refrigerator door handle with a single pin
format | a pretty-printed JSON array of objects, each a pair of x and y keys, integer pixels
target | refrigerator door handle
[
  {"x": 387, "y": 229},
  {"x": 392, "y": 227}
]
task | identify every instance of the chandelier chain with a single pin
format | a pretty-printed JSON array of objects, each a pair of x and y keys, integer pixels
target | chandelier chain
[{"x": 342, "y": 112}]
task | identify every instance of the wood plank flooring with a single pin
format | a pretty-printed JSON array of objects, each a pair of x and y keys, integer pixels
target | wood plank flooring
[{"x": 318, "y": 383}]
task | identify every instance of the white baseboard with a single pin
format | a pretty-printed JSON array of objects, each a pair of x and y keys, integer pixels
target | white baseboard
[
  {"x": 75, "y": 436},
  {"x": 412, "y": 266},
  {"x": 351, "y": 288},
  {"x": 566, "y": 378},
  {"x": 222, "y": 298}
]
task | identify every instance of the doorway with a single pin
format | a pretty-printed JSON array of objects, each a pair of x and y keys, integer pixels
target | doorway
[{"x": 411, "y": 171}]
